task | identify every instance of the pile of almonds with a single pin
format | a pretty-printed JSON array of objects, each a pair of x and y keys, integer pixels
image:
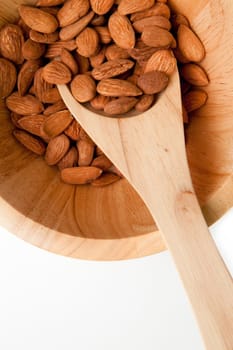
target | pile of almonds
[{"x": 117, "y": 55}]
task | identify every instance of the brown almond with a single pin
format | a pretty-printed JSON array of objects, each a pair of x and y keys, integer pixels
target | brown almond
[
  {"x": 142, "y": 52},
  {"x": 98, "y": 20},
  {"x": 112, "y": 69},
  {"x": 189, "y": 44},
  {"x": 53, "y": 10},
  {"x": 101, "y": 7},
  {"x": 114, "y": 52},
  {"x": 71, "y": 11},
  {"x": 26, "y": 75},
  {"x": 121, "y": 31},
  {"x": 102, "y": 162},
  {"x": 159, "y": 21},
  {"x": 84, "y": 136},
  {"x": 49, "y": 2},
  {"x": 15, "y": 119},
  {"x": 33, "y": 124},
  {"x": 185, "y": 115},
  {"x": 80, "y": 176},
  {"x": 98, "y": 59},
  {"x": 11, "y": 42},
  {"x": 54, "y": 50},
  {"x": 86, "y": 152},
  {"x": 120, "y": 106},
  {"x": 7, "y": 77},
  {"x": 30, "y": 142},
  {"x": 117, "y": 88},
  {"x": 42, "y": 37},
  {"x": 56, "y": 73},
  {"x": 73, "y": 130},
  {"x": 144, "y": 103},
  {"x": 32, "y": 50},
  {"x": 104, "y": 34},
  {"x": 157, "y": 37},
  {"x": 25, "y": 29},
  {"x": 99, "y": 102},
  {"x": 194, "y": 100},
  {"x": 105, "y": 180},
  {"x": 70, "y": 160},
  {"x": 68, "y": 59},
  {"x": 83, "y": 63},
  {"x": 83, "y": 88},
  {"x": 51, "y": 95},
  {"x": 56, "y": 107},
  {"x": 159, "y": 9},
  {"x": 127, "y": 7},
  {"x": 40, "y": 85},
  {"x": 87, "y": 42},
  {"x": 194, "y": 74},
  {"x": 178, "y": 19},
  {"x": 71, "y": 31},
  {"x": 56, "y": 123},
  {"x": 38, "y": 20},
  {"x": 24, "y": 105},
  {"x": 153, "y": 82},
  {"x": 57, "y": 148},
  {"x": 163, "y": 61}
]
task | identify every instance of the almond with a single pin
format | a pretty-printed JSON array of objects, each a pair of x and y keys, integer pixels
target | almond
[
  {"x": 185, "y": 115},
  {"x": 55, "y": 49},
  {"x": 30, "y": 142},
  {"x": 57, "y": 148},
  {"x": 194, "y": 74},
  {"x": 56, "y": 123},
  {"x": 49, "y": 2},
  {"x": 26, "y": 75},
  {"x": 102, "y": 162},
  {"x": 105, "y": 180},
  {"x": 86, "y": 152},
  {"x": 104, "y": 34},
  {"x": 25, "y": 105},
  {"x": 114, "y": 52},
  {"x": 42, "y": 37},
  {"x": 83, "y": 88},
  {"x": 117, "y": 87},
  {"x": 159, "y": 9},
  {"x": 99, "y": 102},
  {"x": 56, "y": 107},
  {"x": 71, "y": 31},
  {"x": 53, "y": 10},
  {"x": 178, "y": 19},
  {"x": 87, "y": 42},
  {"x": 7, "y": 77},
  {"x": 72, "y": 10},
  {"x": 159, "y": 21},
  {"x": 56, "y": 73},
  {"x": 142, "y": 53},
  {"x": 194, "y": 100},
  {"x": 189, "y": 44},
  {"x": 98, "y": 20},
  {"x": 73, "y": 130},
  {"x": 83, "y": 63},
  {"x": 33, "y": 124},
  {"x": 11, "y": 42},
  {"x": 153, "y": 82},
  {"x": 15, "y": 119},
  {"x": 120, "y": 105},
  {"x": 163, "y": 61},
  {"x": 144, "y": 103},
  {"x": 51, "y": 95},
  {"x": 25, "y": 29},
  {"x": 121, "y": 31},
  {"x": 70, "y": 160},
  {"x": 80, "y": 176},
  {"x": 127, "y": 7},
  {"x": 101, "y": 7},
  {"x": 40, "y": 85},
  {"x": 68, "y": 59},
  {"x": 157, "y": 37},
  {"x": 111, "y": 69},
  {"x": 38, "y": 20},
  {"x": 98, "y": 59},
  {"x": 32, "y": 50}
]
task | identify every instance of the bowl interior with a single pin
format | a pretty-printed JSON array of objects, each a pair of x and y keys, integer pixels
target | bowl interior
[{"x": 37, "y": 206}]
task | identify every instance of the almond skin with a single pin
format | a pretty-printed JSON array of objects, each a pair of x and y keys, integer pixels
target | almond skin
[
  {"x": 56, "y": 73},
  {"x": 73, "y": 130},
  {"x": 117, "y": 88},
  {"x": 71, "y": 31},
  {"x": 104, "y": 34},
  {"x": 159, "y": 21},
  {"x": 11, "y": 42},
  {"x": 121, "y": 31},
  {"x": 56, "y": 123},
  {"x": 42, "y": 37},
  {"x": 56, "y": 107},
  {"x": 144, "y": 103},
  {"x": 40, "y": 85},
  {"x": 157, "y": 37},
  {"x": 68, "y": 59},
  {"x": 70, "y": 160},
  {"x": 83, "y": 88},
  {"x": 30, "y": 142},
  {"x": 153, "y": 82},
  {"x": 71, "y": 11},
  {"x": 163, "y": 61},
  {"x": 101, "y": 7},
  {"x": 7, "y": 77},
  {"x": 194, "y": 100},
  {"x": 120, "y": 105},
  {"x": 80, "y": 175},
  {"x": 51, "y": 95},
  {"x": 54, "y": 50},
  {"x": 111, "y": 69},
  {"x": 127, "y": 7},
  {"x": 99, "y": 102},
  {"x": 98, "y": 59},
  {"x": 194, "y": 74},
  {"x": 24, "y": 105},
  {"x": 49, "y": 2},
  {"x": 33, "y": 124},
  {"x": 87, "y": 42},
  {"x": 26, "y": 75},
  {"x": 32, "y": 50},
  {"x": 159, "y": 9},
  {"x": 57, "y": 148},
  {"x": 102, "y": 162},
  {"x": 105, "y": 180},
  {"x": 195, "y": 50},
  {"x": 38, "y": 20},
  {"x": 114, "y": 52},
  {"x": 86, "y": 152}
]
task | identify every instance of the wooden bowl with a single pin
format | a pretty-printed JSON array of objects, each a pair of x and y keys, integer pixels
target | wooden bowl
[{"x": 112, "y": 222}]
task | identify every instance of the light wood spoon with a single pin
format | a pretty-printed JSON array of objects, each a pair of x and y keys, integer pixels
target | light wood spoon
[{"x": 149, "y": 150}]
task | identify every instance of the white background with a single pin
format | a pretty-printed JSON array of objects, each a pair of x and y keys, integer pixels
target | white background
[{"x": 49, "y": 302}]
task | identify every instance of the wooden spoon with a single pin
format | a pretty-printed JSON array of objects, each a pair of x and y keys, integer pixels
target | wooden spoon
[{"x": 149, "y": 150}]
